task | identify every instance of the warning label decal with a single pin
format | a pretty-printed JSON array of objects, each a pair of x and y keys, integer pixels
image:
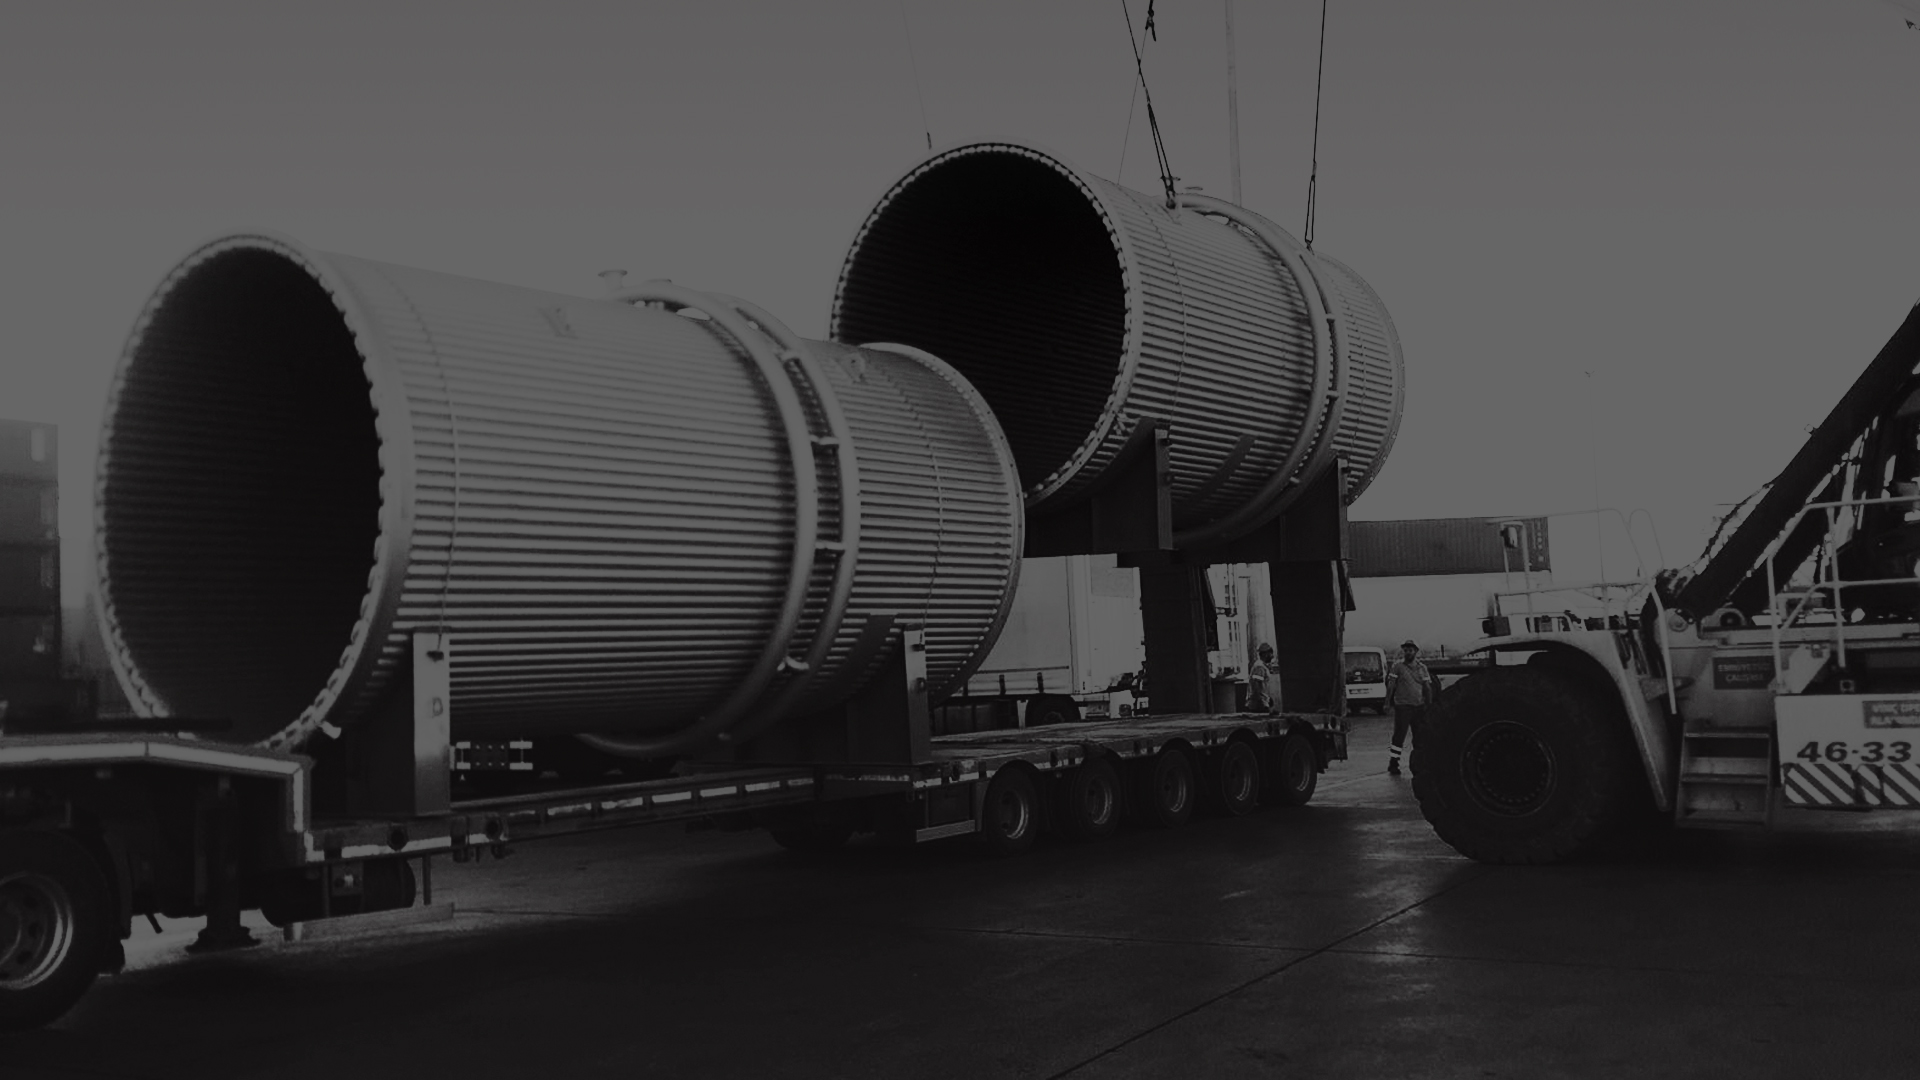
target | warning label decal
[
  {"x": 1742, "y": 672},
  {"x": 1891, "y": 714}
]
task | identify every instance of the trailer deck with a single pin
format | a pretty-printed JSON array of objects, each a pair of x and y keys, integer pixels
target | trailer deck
[{"x": 472, "y": 827}]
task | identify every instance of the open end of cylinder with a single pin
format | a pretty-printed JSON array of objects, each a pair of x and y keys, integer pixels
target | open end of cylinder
[
  {"x": 240, "y": 494},
  {"x": 999, "y": 264}
]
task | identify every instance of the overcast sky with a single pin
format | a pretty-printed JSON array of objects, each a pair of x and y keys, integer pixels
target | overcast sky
[{"x": 1637, "y": 246}]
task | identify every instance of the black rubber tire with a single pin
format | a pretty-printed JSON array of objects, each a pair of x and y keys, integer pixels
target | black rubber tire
[
  {"x": 54, "y": 926},
  {"x": 1088, "y": 801},
  {"x": 1050, "y": 709},
  {"x": 1232, "y": 780},
  {"x": 1292, "y": 771},
  {"x": 814, "y": 839},
  {"x": 1523, "y": 765},
  {"x": 1010, "y": 820},
  {"x": 1165, "y": 789}
]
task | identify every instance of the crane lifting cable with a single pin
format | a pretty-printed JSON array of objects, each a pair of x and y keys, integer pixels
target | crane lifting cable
[
  {"x": 1313, "y": 174},
  {"x": 1167, "y": 179},
  {"x": 906, "y": 31}
]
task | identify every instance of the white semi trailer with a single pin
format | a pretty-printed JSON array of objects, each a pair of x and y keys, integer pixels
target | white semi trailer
[{"x": 1074, "y": 645}]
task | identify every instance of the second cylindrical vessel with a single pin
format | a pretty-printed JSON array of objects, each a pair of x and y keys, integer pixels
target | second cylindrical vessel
[{"x": 1082, "y": 310}]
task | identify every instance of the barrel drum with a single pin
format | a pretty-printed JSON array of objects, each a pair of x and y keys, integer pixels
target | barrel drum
[
  {"x": 1082, "y": 310},
  {"x": 659, "y": 515}
]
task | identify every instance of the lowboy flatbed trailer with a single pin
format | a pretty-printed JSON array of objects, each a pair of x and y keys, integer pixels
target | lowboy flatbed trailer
[{"x": 106, "y": 826}]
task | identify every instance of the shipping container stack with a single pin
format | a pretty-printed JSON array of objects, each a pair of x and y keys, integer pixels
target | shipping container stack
[{"x": 34, "y": 693}]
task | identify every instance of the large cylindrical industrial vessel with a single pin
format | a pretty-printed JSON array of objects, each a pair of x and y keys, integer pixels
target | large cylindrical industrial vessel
[
  {"x": 1082, "y": 309},
  {"x": 658, "y": 516}
]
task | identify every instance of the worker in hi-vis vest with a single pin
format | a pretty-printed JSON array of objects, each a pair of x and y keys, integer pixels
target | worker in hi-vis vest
[
  {"x": 1410, "y": 688},
  {"x": 1263, "y": 683}
]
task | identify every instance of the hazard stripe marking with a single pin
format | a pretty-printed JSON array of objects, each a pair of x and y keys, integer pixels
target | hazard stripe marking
[
  {"x": 1867, "y": 786},
  {"x": 1825, "y": 784},
  {"x": 1817, "y": 785},
  {"x": 1901, "y": 785},
  {"x": 1790, "y": 786}
]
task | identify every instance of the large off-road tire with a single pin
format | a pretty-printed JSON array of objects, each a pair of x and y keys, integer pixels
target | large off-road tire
[
  {"x": 1291, "y": 773},
  {"x": 1011, "y": 818},
  {"x": 54, "y": 927},
  {"x": 1523, "y": 765}
]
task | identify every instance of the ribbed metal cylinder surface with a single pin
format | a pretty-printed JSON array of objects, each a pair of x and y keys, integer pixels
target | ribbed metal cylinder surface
[
  {"x": 307, "y": 456},
  {"x": 1082, "y": 309}
]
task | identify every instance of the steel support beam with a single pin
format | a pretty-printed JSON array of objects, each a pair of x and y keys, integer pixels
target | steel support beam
[{"x": 1130, "y": 510}]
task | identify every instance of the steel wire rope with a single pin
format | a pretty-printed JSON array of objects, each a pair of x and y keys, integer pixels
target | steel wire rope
[
  {"x": 913, "y": 63},
  {"x": 1126, "y": 135},
  {"x": 1167, "y": 179},
  {"x": 1313, "y": 174}
]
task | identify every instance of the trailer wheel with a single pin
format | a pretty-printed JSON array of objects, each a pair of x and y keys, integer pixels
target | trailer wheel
[
  {"x": 1295, "y": 772},
  {"x": 1520, "y": 765},
  {"x": 1164, "y": 789},
  {"x": 1010, "y": 820},
  {"x": 1233, "y": 779},
  {"x": 1049, "y": 709},
  {"x": 54, "y": 929},
  {"x": 1089, "y": 800}
]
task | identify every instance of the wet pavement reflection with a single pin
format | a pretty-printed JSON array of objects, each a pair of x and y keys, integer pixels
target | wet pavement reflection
[{"x": 1338, "y": 939}]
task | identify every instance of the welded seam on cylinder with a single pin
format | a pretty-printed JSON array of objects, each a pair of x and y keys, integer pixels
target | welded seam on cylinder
[
  {"x": 723, "y": 321},
  {"x": 1180, "y": 294},
  {"x": 1390, "y": 369},
  {"x": 1273, "y": 496},
  {"x": 1009, "y": 474},
  {"x": 939, "y": 489},
  {"x": 847, "y": 490},
  {"x": 453, "y": 436},
  {"x": 1327, "y": 444}
]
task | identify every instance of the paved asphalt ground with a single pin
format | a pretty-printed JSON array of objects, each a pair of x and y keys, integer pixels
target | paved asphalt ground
[{"x": 1337, "y": 940}]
